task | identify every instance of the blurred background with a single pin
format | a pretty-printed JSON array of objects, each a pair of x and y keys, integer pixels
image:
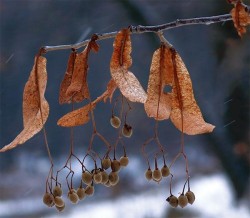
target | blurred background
[{"x": 218, "y": 62}]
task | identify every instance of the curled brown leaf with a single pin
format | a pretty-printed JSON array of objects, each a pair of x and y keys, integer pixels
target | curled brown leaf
[
  {"x": 241, "y": 17},
  {"x": 185, "y": 113},
  {"x": 81, "y": 116},
  {"x": 35, "y": 106},
  {"x": 121, "y": 60},
  {"x": 63, "y": 97},
  {"x": 158, "y": 103}
]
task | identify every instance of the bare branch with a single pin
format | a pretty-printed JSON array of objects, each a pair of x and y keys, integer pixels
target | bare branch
[{"x": 142, "y": 29}]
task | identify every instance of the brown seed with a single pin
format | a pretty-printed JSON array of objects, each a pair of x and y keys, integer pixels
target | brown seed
[
  {"x": 107, "y": 184},
  {"x": 172, "y": 200},
  {"x": 115, "y": 165},
  {"x": 148, "y": 174},
  {"x": 59, "y": 201},
  {"x": 106, "y": 163},
  {"x": 87, "y": 178},
  {"x": 73, "y": 197},
  {"x": 105, "y": 177},
  {"x": 182, "y": 200},
  {"x": 89, "y": 190},
  {"x": 157, "y": 176},
  {"x": 115, "y": 121},
  {"x": 60, "y": 209},
  {"x": 190, "y": 196},
  {"x": 80, "y": 193},
  {"x": 124, "y": 161},
  {"x": 48, "y": 199},
  {"x": 97, "y": 178},
  {"x": 113, "y": 178},
  {"x": 57, "y": 191},
  {"x": 127, "y": 131},
  {"x": 165, "y": 171}
]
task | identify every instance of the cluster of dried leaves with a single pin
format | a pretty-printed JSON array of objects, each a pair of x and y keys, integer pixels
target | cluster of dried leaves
[{"x": 167, "y": 70}]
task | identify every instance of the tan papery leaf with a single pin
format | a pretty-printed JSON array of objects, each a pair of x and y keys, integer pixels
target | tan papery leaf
[
  {"x": 33, "y": 97},
  {"x": 241, "y": 17},
  {"x": 63, "y": 97},
  {"x": 158, "y": 103},
  {"x": 81, "y": 116},
  {"x": 78, "y": 89},
  {"x": 185, "y": 113},
  {"x": 121, "y": 60}
]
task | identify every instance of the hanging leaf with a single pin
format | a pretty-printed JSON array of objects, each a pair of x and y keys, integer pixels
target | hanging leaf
[
  {"x": 158, "y": 103},
  {"x": 78, "y": 89},
  {"x": 81, "y": 116},
  {"x": 241, "y": 17},
  {"x": 185, "y": 113},
  {"x": 63, "y": 97},
  {"x": 35, "y": 106},
  {"x": 121, "y": 60}
]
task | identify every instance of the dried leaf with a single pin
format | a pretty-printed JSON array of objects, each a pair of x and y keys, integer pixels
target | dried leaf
[
  {"x": 78, "y": 89},
  {"x": 121, "y": 60},
  {"x": 33, "y": 97},
  {"x": 63, "y": 98},
  {"x": 185, "y": 114},
  {"x": 81, "y": 116},
  {"x": 241, "y": 17},
  {"x": 77, "y": 117},
  {"x": 158, "y": 103}
]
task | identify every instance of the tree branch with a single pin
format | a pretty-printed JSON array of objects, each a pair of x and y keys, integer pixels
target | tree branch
[{"x": 142, "y": 29}]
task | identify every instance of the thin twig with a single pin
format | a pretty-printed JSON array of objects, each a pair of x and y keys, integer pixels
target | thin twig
[{"x": 142, "y": 29}]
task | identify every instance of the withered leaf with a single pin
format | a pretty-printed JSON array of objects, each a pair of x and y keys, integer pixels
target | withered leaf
[
  {"x": 63, "y": 97},
  {"x": 35, "y": 106},
  {"x": 241, "y": 17},
  {"x": 158, "y": 103},
  {"x": 78, "y": 89},
  {"x": 81, "y": 116},
  {"x": 185, "y": 113},
  {"x": 121, "y": 60}
]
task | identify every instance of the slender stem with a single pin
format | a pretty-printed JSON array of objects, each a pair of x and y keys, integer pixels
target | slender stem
[{"x": 142, "y": 29}]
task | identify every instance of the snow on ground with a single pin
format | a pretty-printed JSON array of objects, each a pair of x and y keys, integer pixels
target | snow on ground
[{"x": 213, "y": 199}]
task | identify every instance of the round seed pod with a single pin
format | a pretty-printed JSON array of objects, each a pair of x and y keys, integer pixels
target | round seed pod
[
  {"x": 87, "y": 178},
  {"x": 182, "y": 200},
  {"x": 157, "y": 176},
  {"x": 172, "y": 200},
  {"x": 107, "y": 184},
  {"x": 115, "y": 121},
  {"x": 60, "y": 209},
  {"x": 57, "y": 191},
  {"x": 73, "y": 197},
  {"x": 89, "y": 190},
  {"x": 97, "y": 178},
  {"x": 115, "y": 165},
  {"x": 124, "y": 161},
  {"x": 80, "y": 193},
  {"x": 190, "y": 196},
  {"x": 106, "y": 163},
  {"x": 59, "y": 201},
  {"x": 105, "y": 177},
  {"x": 48, "y": 199},
  {"x": 113, "y": 178},
  {"x": 148, "y": 174},
  {"x": 165, "y": 171},
  {"x": 127, "y": 131}
]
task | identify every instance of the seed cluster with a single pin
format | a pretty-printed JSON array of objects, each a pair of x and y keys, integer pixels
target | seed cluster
[
  {"x": 182, "y": 200},
  {"x": 107, "y": 174}
]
